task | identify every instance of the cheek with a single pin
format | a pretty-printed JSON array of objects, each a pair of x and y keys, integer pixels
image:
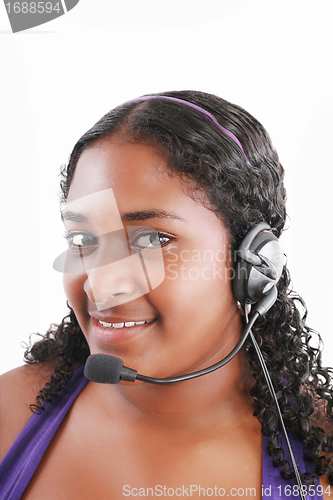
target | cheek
[
  {"x": 196, "y": 307},
  {"x": 196, "y": 286},
  {"x": 73, "y": 286}
]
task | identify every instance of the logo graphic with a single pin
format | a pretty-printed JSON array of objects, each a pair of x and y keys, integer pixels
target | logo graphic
[
  {"x": 25, "y": 15},
  {"x": 121, "y": 263}
]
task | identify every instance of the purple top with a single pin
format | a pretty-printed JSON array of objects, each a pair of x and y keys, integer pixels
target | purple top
[
  {"x": 24, "y": 456},
  {"x": 22, "y": 459}
]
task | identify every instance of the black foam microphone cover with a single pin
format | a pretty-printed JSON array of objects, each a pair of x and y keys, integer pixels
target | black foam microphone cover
[{"x": 103, "y": 369}]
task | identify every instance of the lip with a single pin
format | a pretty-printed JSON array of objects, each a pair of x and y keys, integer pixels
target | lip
[{"x": 110, "y": 336}]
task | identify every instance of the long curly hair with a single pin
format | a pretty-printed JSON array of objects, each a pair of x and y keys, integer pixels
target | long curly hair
[{"x": 242, "y": 196}]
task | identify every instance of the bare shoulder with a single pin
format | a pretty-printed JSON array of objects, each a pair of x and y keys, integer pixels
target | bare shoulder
[
  {"x": 327, "y": 488},
  {"x": 18, "y": 390}
]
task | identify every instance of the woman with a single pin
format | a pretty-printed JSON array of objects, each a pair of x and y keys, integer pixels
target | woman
[{"x": 197, "y": 175}]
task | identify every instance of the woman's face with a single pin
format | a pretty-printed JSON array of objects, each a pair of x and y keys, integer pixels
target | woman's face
[{"x": 195, "y": 317}]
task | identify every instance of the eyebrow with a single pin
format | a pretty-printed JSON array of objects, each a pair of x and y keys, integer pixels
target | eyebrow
[
  {"x": 67, "y": 215},
  {"x": 149, "y": 214},
  {"x": 128, "y": 217}
]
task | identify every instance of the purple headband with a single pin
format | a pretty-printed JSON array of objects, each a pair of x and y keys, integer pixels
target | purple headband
[{"x": 203, "y": 111}]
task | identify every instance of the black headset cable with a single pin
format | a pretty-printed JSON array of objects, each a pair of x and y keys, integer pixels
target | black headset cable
[{"x": 272, "y": 391}]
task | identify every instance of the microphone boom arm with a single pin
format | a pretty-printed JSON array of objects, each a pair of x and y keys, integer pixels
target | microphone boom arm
[{"x": 125, "y": 375}]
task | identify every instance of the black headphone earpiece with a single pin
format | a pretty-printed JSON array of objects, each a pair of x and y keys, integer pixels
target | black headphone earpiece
[{"x": 258, "y": 265}]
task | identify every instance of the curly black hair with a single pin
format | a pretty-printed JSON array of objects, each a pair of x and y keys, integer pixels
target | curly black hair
[{"x": 241, "y": 196}]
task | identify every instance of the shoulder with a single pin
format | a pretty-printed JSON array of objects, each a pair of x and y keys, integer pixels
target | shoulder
[{"x": 18, "y": 390}]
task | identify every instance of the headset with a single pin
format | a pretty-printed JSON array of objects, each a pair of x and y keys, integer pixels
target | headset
[{"x": 257, "y": 269}]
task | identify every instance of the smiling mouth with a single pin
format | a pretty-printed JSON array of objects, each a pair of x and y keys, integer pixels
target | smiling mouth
[{"x": 128, "y": 324}]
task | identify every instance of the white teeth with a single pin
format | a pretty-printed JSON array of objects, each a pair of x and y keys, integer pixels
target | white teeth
[
  {"x": 107, "y": 325},
  {"x": 121, "y": 325}
]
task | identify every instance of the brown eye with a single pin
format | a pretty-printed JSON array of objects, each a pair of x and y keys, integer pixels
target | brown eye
[
  {"x": 81, "y": 241},
  {"x": 150, "y": 240}
]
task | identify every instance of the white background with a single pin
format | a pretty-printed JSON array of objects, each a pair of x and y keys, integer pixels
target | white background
[{"x": 274, "y": 58}]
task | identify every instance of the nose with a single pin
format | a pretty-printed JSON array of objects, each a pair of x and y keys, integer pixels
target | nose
[{"x": 116, "y": 283}]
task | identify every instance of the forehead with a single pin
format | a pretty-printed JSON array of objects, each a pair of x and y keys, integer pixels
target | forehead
[
  {"x": 122, "y": 166},
  {"x": 135, "y": 172}
]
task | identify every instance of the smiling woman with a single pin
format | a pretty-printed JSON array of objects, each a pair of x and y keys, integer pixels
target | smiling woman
[{"x": 161, "y": 198}]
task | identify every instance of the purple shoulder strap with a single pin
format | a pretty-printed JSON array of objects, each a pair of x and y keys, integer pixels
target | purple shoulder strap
[
  {"x": 24, "y": 456},
  {"x": 274, "y": 487}
]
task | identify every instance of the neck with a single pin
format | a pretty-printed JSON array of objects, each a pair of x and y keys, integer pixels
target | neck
[{"x": 219, "y": 398}]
